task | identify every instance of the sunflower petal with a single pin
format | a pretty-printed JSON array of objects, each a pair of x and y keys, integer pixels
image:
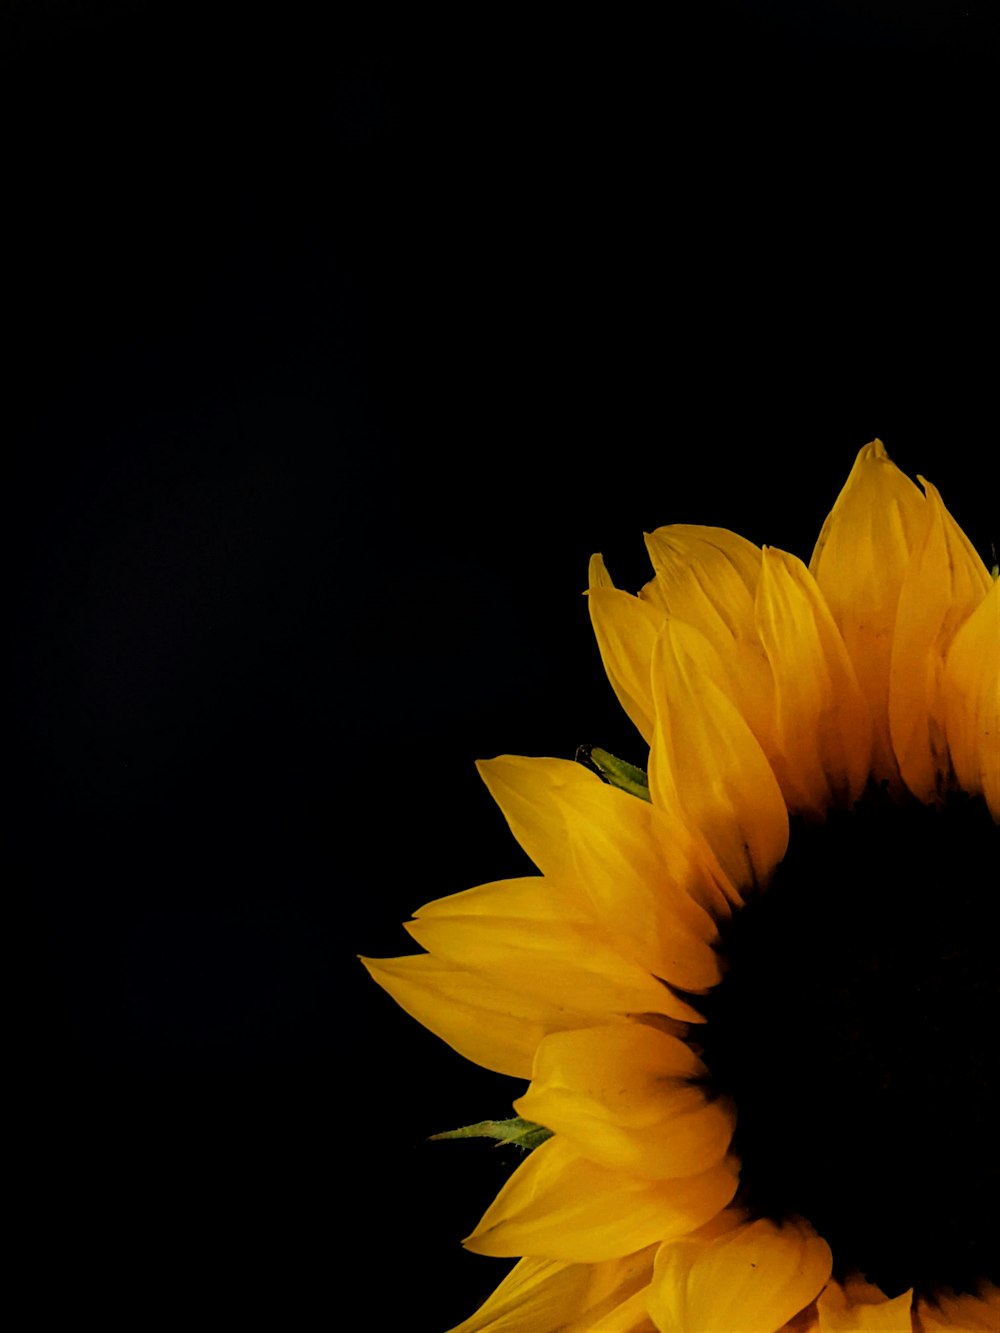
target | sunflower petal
[
  {"x": 822, "y": 730},
  {"x": 559, "y": 1205},
  {"x": 978, "y": 1313},
  {"x": 626, "y": 630},
  {"x": 972, "y": 701},
  {"x": 484, "y": 1022},
  {"x": 806, "y": 1321},
  {"x": 632, "y": 1316},
  {"x": 526, "y": 898},
  {"x": 737, "y": 805},
  {"x": 530, "y": 935},
  {"x": 548, "y": 1296},
  {"x": 753, "y": 1277},
  {"x": 859, "y": 562},
  {"x": 707, "y": 577},
  {"x": 629, "y": 858},
  {"x": 842, "y": 1310},
  {"x": 624, "y": 1096},
  {"x": 944, "y": 583},
  {"x": 699, "y": 567}
]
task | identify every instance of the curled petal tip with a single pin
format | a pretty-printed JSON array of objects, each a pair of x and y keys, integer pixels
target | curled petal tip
[{"x": 597, "y": 572}]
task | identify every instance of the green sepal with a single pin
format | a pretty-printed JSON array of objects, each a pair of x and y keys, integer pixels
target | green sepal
[
  {"x": 617, "y": 772},
  {"x": 522, "y": 1133}
]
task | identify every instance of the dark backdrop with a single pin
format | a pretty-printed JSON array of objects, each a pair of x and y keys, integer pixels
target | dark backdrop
[{"x": 333, "y": 354}]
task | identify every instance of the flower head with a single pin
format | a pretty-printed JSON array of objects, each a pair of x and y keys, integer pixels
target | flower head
[{"x": 753, "y": 992}]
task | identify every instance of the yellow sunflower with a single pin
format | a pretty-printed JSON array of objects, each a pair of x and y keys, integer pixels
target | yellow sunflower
[{"x": 754, "y": 992}]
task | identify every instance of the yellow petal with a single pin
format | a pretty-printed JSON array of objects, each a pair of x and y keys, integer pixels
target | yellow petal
[
  {"x": 737, "y": 805},
  {"x": 842, "y": 1310},
  {"x": 822, "y": 730},
  {"x": 484, "y": 1022},
  {"x": 559, "y": 1205},
  {"x": 944, "y": 583},
  {"x": 750, "y": 1280},
  {"x": 969, "y": 1313},
  {"x": 860, "y": 562},
  {"x": 707, "y": 577},
  {"x": 526, "y": 898},
  {"x": 624, "y": 1096},
  {"x": 626, "y": 630},
  {"x": 632, "y": 1316},
  {"x": 728, "y": 567},
  {"x": 630, "y": 859},
  {"x": 535, "y": 936},
  {"x": 972, "y": 701},
  {"x": 548, "y": 1296}
]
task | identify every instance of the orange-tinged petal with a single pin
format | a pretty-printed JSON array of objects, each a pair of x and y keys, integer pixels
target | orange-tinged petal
[
  {"x": 806, "y": 1321},
  {"x": 737, "y": 805},
  {"x": 626, "y": 629},
  {"x": 489, "y": 1025},
  {"x": 944, "y": 583},
  {"x": 859, "y": 562},
  {"x": 549, "y": 1296},
  {"x": 629, "y": 858},
  {"x": 972, "y": 701},
  {"x": 821, "y": 747},
  {"x": 625, "y": 1097},
  {"x": 969, "y": 1313},
  {"x": 752, "y": 1279},
  {"x": 843, "y": 1310},
  {"x": 858, "y": 1289},
  {"x": 559, "y": 1205},
  {"x": 534, "y": 936}
]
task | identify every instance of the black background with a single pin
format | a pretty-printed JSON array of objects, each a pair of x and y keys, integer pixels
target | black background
[{"x": 334, "y": 351}]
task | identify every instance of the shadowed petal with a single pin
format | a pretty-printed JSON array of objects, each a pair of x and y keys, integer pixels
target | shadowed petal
[
  {"x": 859, "y": 562},
  {"x": 969, "y": 1313},
  {"x": 972, "y": 694},
  {"x": 857, "y": 1307},
  {"x": 822, "y": 729},
  {"x": 944, "y": 583},
  {"x": 806, "y": 1321},
  {"x": 737, "y": 806}
]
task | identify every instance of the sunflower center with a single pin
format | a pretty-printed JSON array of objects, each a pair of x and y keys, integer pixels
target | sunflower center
[{"x": 857, "y": 1032}]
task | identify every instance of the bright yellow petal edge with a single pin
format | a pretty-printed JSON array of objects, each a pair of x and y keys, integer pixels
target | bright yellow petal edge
[{"x": 881, "y": 660}]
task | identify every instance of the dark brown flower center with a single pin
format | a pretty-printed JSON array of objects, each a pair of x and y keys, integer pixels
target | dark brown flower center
[{"x": 857, "y": 1029}]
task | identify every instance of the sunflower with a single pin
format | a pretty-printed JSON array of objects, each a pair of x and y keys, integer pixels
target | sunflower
[{"x": 753, "y": 990}]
